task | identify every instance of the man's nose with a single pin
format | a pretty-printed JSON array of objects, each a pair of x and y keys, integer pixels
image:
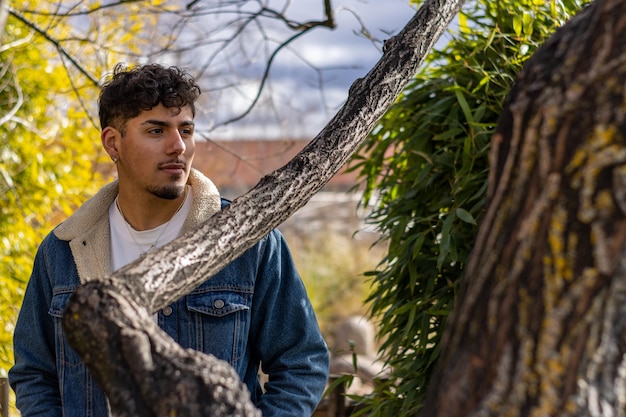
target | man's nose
[{"x": 177, "y": 144}]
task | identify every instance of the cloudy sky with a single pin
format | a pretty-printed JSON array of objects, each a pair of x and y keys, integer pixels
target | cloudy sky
[{"x": 308, "y": 80}]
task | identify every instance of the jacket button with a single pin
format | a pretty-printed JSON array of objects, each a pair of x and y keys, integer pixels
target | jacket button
[
  {"x": 218, "y": 304},
  {"x": 167, "y": 311}
]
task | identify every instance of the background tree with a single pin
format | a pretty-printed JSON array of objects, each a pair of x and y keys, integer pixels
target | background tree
[
  {"x": 47, "y": 160},
  {"x": 425, "y": 168}
]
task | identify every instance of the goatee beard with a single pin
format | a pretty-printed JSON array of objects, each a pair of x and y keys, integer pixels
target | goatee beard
[{"x": 171, "y": 192}]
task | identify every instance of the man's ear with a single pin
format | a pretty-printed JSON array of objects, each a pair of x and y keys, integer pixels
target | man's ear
[{"x": 110, "y": 137}]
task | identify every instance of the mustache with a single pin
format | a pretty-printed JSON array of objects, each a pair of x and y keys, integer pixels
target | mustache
[{"x": 178, "y": 162}]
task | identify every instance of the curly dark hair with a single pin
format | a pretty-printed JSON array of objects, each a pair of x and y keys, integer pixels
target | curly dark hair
[{"x": 130, "y": 91}]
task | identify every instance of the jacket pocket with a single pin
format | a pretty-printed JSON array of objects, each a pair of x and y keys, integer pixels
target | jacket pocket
[
  {"x": 219, "y": 323},
  {"x": 60, "y": 297},
  {"x": 65, "y": 354}
]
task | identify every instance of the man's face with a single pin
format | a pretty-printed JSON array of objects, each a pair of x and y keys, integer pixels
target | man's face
[{"x": 156, "y": 152}]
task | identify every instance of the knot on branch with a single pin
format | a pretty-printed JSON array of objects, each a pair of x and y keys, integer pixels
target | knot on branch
[{"x": 298, "y": 163}]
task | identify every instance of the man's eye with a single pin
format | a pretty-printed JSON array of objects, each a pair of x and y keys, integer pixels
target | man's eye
[
  {"x": 186, "y": 132},
  {"x": 156, "y": 131}
]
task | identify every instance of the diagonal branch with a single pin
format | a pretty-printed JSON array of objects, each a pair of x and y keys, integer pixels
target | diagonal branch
[{"x": 278, "y": 195}]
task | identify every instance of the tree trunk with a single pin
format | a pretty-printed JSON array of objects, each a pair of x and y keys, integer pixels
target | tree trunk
[
  {"x": 107, "y": 321},
  {"x": 540, "y": 327}
]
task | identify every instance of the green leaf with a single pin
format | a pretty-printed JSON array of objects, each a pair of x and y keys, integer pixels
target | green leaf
[
  {"x": 517, "y": 25},
  {"x": 466, "y": 216}
]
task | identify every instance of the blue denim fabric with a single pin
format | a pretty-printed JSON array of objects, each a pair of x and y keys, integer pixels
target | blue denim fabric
[{"x": 254, "y": 311}]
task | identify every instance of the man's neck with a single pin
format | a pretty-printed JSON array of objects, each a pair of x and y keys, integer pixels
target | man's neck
[{"x": 148, "y": 212}]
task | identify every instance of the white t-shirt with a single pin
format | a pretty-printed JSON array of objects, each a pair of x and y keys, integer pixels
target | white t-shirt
[{"x": 128, "y": 244}]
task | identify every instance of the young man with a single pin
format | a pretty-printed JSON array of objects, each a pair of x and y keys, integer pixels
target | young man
[{"x": 255, "y": 312}]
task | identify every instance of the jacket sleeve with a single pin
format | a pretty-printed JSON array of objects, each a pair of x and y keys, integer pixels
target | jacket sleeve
[
  {"x": 34, "y": 377},
  {"x": 289, "y": 343}
]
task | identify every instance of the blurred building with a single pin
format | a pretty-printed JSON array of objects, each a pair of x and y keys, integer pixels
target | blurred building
[{"x": 235, "y": 166}]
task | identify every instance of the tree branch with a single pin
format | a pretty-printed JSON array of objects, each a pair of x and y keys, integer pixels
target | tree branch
[
  {"x": 278, "y": 195},
  {"x": 56, "y": 44}
]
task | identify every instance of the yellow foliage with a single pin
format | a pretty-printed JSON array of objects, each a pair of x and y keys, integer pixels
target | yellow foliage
[{"x": 50, "y": 153}]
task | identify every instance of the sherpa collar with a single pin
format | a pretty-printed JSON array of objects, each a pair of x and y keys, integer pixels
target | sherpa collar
[{"x": 88, "y": 230}]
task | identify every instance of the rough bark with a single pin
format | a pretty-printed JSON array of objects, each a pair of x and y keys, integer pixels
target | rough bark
[
  {"x": 540, "y": 327},
  {"x": 144, "y": 372},
  {"x": 132, "y": 359}
]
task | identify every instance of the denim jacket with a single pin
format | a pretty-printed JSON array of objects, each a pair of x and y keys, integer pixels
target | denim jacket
[{"x": 255, "y": 312}]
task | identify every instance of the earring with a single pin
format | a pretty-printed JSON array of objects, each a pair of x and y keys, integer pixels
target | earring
[{"x": 115, "y": 159}]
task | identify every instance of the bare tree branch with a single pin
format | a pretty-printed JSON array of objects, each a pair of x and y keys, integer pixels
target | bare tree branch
[
  {"x": 178, "y": 17},
  {"x": 67, "y": 55},
  {"x": 264, "y": 77},
  {"x": 4, "y": 13}
]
